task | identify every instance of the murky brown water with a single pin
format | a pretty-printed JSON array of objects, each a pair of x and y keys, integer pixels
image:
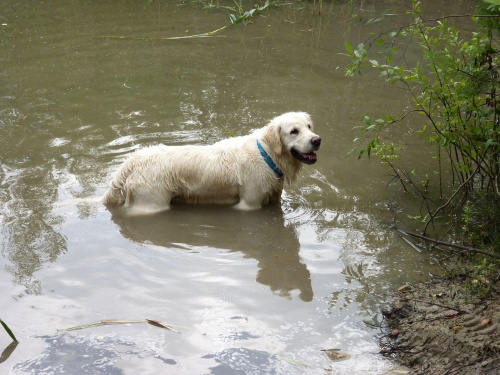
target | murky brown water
[{"x": 251, "y": 292}]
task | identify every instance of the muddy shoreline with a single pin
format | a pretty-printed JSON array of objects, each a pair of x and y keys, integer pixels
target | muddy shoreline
[{"x": 437, "y": 328}]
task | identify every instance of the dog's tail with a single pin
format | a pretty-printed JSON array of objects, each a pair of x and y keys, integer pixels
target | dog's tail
[{"x": 115, "y": 195}]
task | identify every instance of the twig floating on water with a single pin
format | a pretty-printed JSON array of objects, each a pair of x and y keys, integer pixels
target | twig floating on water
[
  {"x": 165, "y": 38},
  {"x": 210, "y": 34},
  {"x": 112, "y": 321}
]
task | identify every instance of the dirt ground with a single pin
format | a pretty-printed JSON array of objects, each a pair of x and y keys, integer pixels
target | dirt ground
[{"x": 433, "y": 328}]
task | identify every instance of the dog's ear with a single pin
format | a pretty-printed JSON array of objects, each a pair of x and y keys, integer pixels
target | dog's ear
[{"x": 272, "y": 138}]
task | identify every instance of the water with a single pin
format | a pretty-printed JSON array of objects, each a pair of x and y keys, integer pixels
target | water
[{"x": 250, "y": 292}]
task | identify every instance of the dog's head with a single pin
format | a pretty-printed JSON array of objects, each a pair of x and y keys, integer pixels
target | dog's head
[{"x": 292, "y": 132}]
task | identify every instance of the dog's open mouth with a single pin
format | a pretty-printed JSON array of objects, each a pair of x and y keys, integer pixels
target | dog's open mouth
[{"x": 309, "y": 158}]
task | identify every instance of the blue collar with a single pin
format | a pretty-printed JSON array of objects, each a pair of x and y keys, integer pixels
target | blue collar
[{"x": 268, "y": 160}]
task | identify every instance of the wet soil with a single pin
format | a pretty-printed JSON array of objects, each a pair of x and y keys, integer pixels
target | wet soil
[{"x": 435, "y": 328}]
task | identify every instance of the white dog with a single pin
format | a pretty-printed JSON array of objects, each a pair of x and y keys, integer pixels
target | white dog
[{"x": 248, "y": 170}]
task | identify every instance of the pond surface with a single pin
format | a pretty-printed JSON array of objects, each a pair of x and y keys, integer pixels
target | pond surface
[{"x": 248, "y": 292}]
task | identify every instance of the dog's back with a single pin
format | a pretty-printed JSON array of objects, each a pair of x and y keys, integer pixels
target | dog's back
[{"x": 195, "y": 173}]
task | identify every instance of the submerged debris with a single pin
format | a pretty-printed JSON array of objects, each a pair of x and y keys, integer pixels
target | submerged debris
[
  {"x": 335, "y": 354},
  {"x": 405, "y": 289}
]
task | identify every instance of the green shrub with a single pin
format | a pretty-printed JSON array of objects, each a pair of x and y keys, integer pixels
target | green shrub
[{"x": 455, "y": 86}]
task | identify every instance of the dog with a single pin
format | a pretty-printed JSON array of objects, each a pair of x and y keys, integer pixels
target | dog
[{"x": 247, "y": 171}]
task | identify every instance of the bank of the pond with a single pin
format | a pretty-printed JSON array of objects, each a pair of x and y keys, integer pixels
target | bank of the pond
[{"x": 434, "y": 328}]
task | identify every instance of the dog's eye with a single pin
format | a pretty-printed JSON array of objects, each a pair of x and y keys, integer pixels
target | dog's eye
[
  {"x": 294, "y": 131},
  {"x": 309, "y": 126}
]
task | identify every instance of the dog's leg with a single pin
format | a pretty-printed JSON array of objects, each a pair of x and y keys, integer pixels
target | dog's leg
[
  {"x": 244, "y": 206},
  {"x": 142, "y": 201},
  {"x": 251, "y": 196},
  {"x": 275, "y": 196}
]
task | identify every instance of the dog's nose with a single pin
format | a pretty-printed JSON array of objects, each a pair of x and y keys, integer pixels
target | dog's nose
[{"x": 316, "y": 142}]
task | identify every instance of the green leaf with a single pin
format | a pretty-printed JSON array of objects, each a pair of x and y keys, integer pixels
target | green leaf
[
  {"x": 352, "y": 150},
  {"x": 348, "y": 47},
  {"x": 490, "y": 142},
  {"x": 496, "y": 2}
]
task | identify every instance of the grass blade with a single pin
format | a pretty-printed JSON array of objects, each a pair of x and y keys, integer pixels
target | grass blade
[{"x": 8, "y": 330}]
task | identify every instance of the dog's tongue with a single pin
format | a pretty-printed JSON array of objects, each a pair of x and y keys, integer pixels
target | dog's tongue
[{"x": 311, "y": 157}]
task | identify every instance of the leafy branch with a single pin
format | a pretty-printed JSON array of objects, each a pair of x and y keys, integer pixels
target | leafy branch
[{"x": 455, "y": 87}]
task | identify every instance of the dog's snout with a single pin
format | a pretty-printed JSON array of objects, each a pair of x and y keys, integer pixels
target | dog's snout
[{"x": 316, "y": 142}]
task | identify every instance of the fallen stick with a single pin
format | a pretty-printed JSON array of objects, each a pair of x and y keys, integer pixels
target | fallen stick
[
  {"x": 438, "y": 304},
  {"x": 461, "y": 247}
]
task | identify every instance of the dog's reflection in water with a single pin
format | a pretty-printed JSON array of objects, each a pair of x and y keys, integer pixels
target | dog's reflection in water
[{"x": 261, "y": 235}]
